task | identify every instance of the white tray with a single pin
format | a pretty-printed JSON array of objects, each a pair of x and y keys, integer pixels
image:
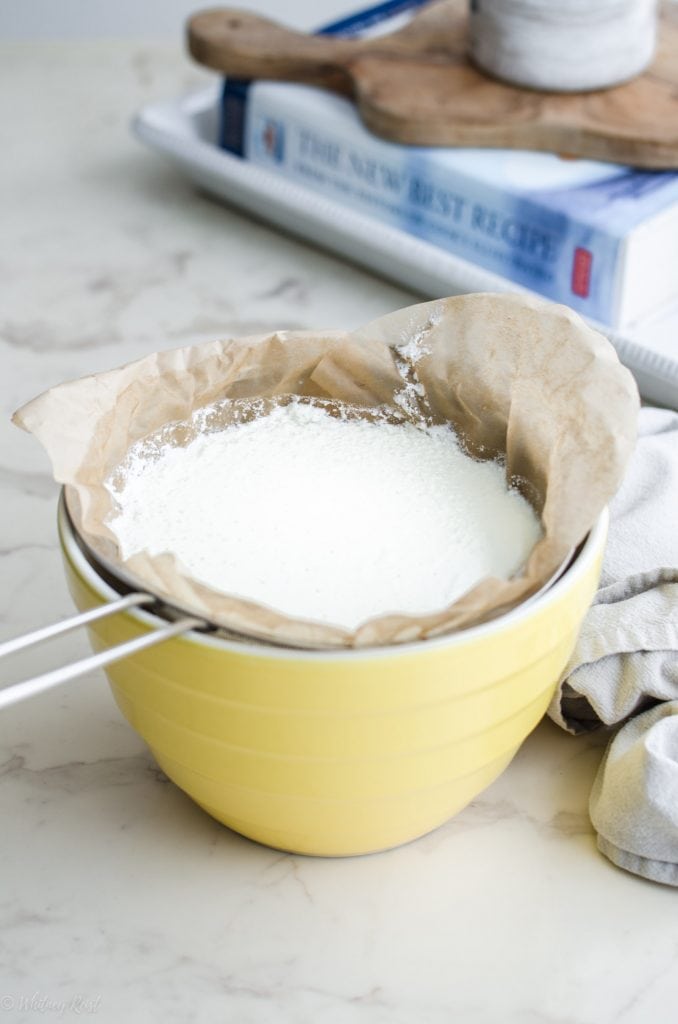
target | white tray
[{"x": 186, "y": 129}]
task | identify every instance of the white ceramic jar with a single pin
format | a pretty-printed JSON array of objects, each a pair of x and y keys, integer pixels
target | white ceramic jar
[{"x": 563, "y": 45}]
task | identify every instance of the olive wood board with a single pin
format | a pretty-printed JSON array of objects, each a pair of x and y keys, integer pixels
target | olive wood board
[{"x": 417, "y": 86}]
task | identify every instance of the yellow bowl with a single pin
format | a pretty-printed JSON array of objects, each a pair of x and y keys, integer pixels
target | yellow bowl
[{"x": 343, "y": 752}]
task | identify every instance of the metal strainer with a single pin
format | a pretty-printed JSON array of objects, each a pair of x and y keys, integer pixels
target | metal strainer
[{"x": 133, "y": 594}]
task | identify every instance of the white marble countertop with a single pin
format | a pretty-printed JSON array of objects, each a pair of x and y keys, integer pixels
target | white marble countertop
[{"x": 121, "y": 900}]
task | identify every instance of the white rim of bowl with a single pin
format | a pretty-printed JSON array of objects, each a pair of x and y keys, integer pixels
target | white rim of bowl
[{"x": 107, "y": 593}]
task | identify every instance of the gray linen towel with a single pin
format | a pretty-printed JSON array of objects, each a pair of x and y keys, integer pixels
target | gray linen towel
[{"x": 626, "y": 662}]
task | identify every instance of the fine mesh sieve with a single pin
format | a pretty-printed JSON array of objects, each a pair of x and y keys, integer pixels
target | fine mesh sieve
[{"x": 134, "y": 594}]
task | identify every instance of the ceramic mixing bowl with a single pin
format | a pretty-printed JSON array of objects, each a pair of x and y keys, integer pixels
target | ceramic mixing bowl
[{"x": 340, "y": 752}]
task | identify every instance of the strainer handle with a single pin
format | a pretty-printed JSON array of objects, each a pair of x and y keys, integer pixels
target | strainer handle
[{"x": 30, "y": 687}]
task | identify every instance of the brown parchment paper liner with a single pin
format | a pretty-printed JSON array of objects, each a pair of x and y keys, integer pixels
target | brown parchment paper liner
[{"x": 517, "y": 378}]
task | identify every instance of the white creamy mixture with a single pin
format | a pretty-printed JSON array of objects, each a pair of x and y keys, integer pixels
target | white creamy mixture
[{"x": 326, "y": 519}]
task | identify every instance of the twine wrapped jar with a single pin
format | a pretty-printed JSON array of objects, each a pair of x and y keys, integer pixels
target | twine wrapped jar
[{"x": 563, "y": 45}]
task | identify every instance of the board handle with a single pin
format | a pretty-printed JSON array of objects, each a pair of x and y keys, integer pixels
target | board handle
[{"x": 244, "y": 45}]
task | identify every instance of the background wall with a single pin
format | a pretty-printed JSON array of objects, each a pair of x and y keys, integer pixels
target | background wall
[{"x": 144, "y": 19}]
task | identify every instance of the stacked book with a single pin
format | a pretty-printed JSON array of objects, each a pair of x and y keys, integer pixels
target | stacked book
[{"x": 602, "y": 238}]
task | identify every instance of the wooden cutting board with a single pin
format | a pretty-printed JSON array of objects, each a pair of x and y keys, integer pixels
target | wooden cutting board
[{"x": 417, "y": 86}]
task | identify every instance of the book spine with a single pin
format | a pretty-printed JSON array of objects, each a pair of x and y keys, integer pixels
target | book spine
[
  {"x": 233, "y": 112},
  {"x": 318, "y": 141}
]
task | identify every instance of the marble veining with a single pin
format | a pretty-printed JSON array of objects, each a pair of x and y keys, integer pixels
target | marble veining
[{"x": 119, "y": 899}]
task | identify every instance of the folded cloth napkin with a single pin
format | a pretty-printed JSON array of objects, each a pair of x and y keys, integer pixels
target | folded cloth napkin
[{"x": 625, "y": 666}]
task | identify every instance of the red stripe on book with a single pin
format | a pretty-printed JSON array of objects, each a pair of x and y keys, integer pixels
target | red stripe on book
[{"x": 581, "y": 272}]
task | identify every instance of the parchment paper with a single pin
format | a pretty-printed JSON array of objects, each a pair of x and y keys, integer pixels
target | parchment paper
[{"x": 518, "y": 379}]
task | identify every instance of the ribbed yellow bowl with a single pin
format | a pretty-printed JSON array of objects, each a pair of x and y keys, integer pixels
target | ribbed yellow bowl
[{"x": 344, "y": 752}]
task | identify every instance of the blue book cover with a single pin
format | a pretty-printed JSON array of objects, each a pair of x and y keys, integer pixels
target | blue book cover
[{"x": 558, "y": 226}]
